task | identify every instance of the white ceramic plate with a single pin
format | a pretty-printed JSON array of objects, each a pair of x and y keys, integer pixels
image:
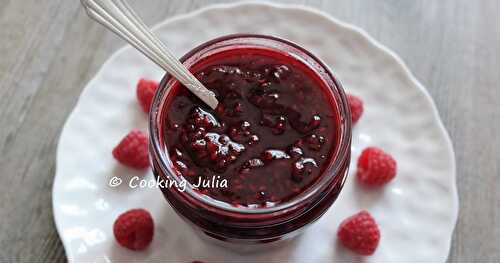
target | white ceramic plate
[{"x": 416, "y": 212}]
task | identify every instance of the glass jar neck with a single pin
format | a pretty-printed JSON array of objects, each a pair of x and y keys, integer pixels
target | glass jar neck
[{"x": 218, "y": 46}]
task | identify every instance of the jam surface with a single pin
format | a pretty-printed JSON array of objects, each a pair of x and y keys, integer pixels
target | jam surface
[{"x": 271, "y": 136}]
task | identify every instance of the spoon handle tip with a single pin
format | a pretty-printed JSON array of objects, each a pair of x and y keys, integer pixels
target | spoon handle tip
[{"x": 119, "y": 17}]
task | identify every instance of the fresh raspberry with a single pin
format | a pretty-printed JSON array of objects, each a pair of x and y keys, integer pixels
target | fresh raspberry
[
  {"x": 359, "y": 233},
  {"x": 375, "y": 167},
  {"x": 356, "y": 105},
  {"x": 134, "y": 229},
  {"x": 133, "y": 150},
  {"x": 146, "y": 90}
]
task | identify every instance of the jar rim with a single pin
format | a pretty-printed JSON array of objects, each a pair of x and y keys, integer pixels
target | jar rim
[{"x": 335, "y": 164}]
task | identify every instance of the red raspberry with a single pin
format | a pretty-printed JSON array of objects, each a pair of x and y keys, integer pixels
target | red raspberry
[
  {"x": 133, "y": 150},
  {"x": 134, "y": 229},
  {"x": 356, "y": 105},
  {"x": 146, "y": 90},
  {"x": 359, "y": 233},
  {"x": 375, "y": 167}
]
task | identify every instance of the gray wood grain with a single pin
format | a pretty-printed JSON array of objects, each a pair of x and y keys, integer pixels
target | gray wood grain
[{"x": 50, "y": 49}]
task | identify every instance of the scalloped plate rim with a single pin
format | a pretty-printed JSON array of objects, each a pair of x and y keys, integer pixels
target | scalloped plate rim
[{"x": 352, "y": 28}]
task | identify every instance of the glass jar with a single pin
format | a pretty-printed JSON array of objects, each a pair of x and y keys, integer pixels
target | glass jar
[{"x": 250, "y": 225}]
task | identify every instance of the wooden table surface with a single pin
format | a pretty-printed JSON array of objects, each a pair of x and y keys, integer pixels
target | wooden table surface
[{"x": 50, "y": 49}]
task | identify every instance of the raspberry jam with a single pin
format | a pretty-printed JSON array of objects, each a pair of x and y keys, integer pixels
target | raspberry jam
[
  {"x": 278, "y": 144},
  {"x": 270, "y": 137}
]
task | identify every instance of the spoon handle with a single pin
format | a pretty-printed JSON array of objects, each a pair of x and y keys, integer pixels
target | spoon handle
[{"x": 119, "y": 17}]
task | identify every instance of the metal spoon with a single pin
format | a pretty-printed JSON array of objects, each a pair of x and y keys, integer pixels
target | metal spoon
[{"x": 117, "y": 16}]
